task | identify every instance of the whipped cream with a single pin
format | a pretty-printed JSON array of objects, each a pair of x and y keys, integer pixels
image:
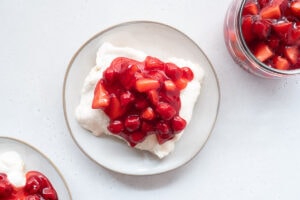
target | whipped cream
[
  {"x": 96, "y": 121},
  {"x": 12, "y": 165}
]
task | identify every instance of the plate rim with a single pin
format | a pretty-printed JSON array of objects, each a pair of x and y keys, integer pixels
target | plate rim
[
  {"x": 19, "y": 141},
  {"x": 125, "y": 24}
]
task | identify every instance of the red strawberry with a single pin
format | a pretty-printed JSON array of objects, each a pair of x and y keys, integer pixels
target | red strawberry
[
  {"x": 114, "y": 110},
  {"x": 148, "y": 114},
  {"x": 270, "y": 12},
  {"x": 282, "y": 29},
  {"x": 153, "y": 96},
  {"x": 101, "y": 96},
  {"x": 250, "y": 8},
  {"x": 262, "y": 52},
  {"x": 280, "y": 63},
  {"x": 263, "y": 3},
  {"x": 6, "y": 189},
  {"x": 169, "y": 85},
  {"x": 49, "y": 193},
  {"x": 295, "y": 8},
  {"x": 163, "y": 132},
  {"x": 126, "y": 98},
  {"x": 178, "y": 123},
  {"x": 146, "y": 84},
  {"x": 261, "y": 28},
  {"x": 247, "y": 22},
  {"x": 187, "y": 73},
  {"x": 132, "y": 123},
  {"x": 291, "y": 53},
  {"x": 181, "y": 83},
  {"x": 153, "y": 63},
  {"x": 165, "y": 110},
  {"x": 136, "y": 137},
  {"x": 115, "y": 126},
  {"x": 173, "y": 71}
]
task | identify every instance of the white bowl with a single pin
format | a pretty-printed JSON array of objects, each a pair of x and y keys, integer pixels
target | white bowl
[{"x": 157, "y": 40}]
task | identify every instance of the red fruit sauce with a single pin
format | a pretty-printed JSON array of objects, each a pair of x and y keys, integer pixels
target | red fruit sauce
[
  {"x": 142, "y": 98},
  {"x": 271, "y": 30},
  {"x": 37, "y": 187}
]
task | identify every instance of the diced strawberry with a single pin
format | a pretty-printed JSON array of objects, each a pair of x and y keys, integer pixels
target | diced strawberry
[
  {"x": 126, "y": 98},
  {"x": 247, "y": 22},
  {"x": 140, "y": 103},
  {"x": 114, "y": 110},
  {"x": 291, "y": 53},
  {"x": 153, "y": 63},
  {"x": 270, "y": 12},
  {"x": 131, "y": 73},
  {"x": 49, "y": 193},
  {"x": 262, "y": 3},
  {"x": 136, "y": 137},
  {"x": 262, "y": 52},
  {"x": 173, "y": 71},
  {"x": 273, "y": 42},
  {"x": 146, "y": 84},
  {"x": 187, "y": 73},
  {"x": 101, "y": 96},
  {"x": 295, "y": 8},
  {"x": 181, "y": 83},
  {"x": 261, "y": 28},
  {"x": 250, "y": 8},
  {"x": 294, "y": 36},
  {"x": 178, "y": 123},
  {"x": 282, "y": 29},
  {"x": 165, "y": 110},
  {"x": 148, "y": 114},
  {"x": 169, "y": 85},
  {"x": 280, "y": 63},
  {"x": 153, "y": 97},
  {"x": 115, "y": 126},
  {"x": 132, "y": 123}
]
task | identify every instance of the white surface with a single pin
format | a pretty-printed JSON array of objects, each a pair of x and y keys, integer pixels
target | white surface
[
  {"x": 253, "y": 152},
  {"x": 116, "y": 155}
]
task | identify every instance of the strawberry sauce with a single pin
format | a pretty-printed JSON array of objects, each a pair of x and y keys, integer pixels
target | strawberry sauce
[
  {"x": 37, "y": 187},
  {"x": 271, "y": 30},
  {"x": 142, "y": 98}
]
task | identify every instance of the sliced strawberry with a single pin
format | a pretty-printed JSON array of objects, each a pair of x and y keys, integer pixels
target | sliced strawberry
[
  {"x": 136, "y": 137},
  {"x": 132, "y": 123},
  {"x": 261, "y": 28},
  {"x": 164, "y": 132},
  {"x": 291, "y": 53},
  {"x": 101, "y": 96},
  {"x": 169, "y": 85},
  {"x": 153, "y": 96},
  {"x": 262, "y": 3},
  {"x": 294, "y": 36},
  {"x": 153, "y": 63},
  {"x": 273, "y": 42},
  {"x": 250, "y": 8},
  {"x": 126, "y": 98},
  {"x": 262, "y": 52},
  {"x": 247, "y": 22},
  {"x": 178, "y": 123},
  {"x": 181, "y": 83},
  {"x": 173, "y": 71},
  {"x": 270, "y": 12},
  {"x": 115, "y": 126},
  {"x": 146, "y": 84},
  {"x": 148, "y": 114},
  {"x": 280, "y": 63},
  {"x": 282, "y": 29},
  {"x": 114, "y": 110},
  {"x": 295, "y": 8},
  {"x": 187, "y": 73}
]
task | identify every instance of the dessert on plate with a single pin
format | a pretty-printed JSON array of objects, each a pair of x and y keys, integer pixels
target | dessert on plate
[
  {"x": 16, "y": 184},
  {"x": 143, "y": 100}
]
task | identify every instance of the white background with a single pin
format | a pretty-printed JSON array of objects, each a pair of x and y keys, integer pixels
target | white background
[{"x": 253, "y": 152}]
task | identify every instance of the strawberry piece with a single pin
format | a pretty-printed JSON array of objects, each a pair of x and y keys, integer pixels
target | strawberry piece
[
  {"x": 291, "y": 53},
  {"x": 187, "y": 73},
  {"x": 169, "y": 85},
  {"x": 146, "y": 84},
  {"x": 126, "y": 98},
  {"x": 295, "y": 8},
  {"x": 261, "y": 28},
  {"x": 173, "y": 71},
  {"x": 165, "y": 110},
  {"x": 282, "y": 29},
  {"x": 115, "y": 126},
  {"x": 153, "y": 96},
  {"x": 247, "y": 23},
  {"x": 270, "y": 12},
  {"x": 132, "y": 123},
  {"x": 273, "y": 42},
  {"x": 164, "y": 132},
  {"x": 153, "y": 63},
  {"x": 6, "y": 189},
  {"x": 281, "y": 63},
  {"x": 294, "y": 36},
  {"x": 114, "y": 110},
  {"x": 178, "y": 123},
  {"x": 181, "y": 83},
  {"x": 262, "y": 52},
  {"x": 101, "y": 96},
  {"x": 136, "y": 137},
  {"x": 250, "y": 8},
  {"x": 262, "y": 3},
  {"x": 148, "y": 114},
  {"x": 49, "y": 193}
]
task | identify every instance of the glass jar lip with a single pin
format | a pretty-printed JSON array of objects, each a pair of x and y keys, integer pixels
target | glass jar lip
[{"x": 249, "y": 53}]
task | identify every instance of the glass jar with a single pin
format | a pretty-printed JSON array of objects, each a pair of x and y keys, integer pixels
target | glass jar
[{"x": 238, "y": 49}]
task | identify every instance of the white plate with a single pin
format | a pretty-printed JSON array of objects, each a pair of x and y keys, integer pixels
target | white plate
[
  {"x": 36, "y": 161},
  {"x": 161, "y": 41}
]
